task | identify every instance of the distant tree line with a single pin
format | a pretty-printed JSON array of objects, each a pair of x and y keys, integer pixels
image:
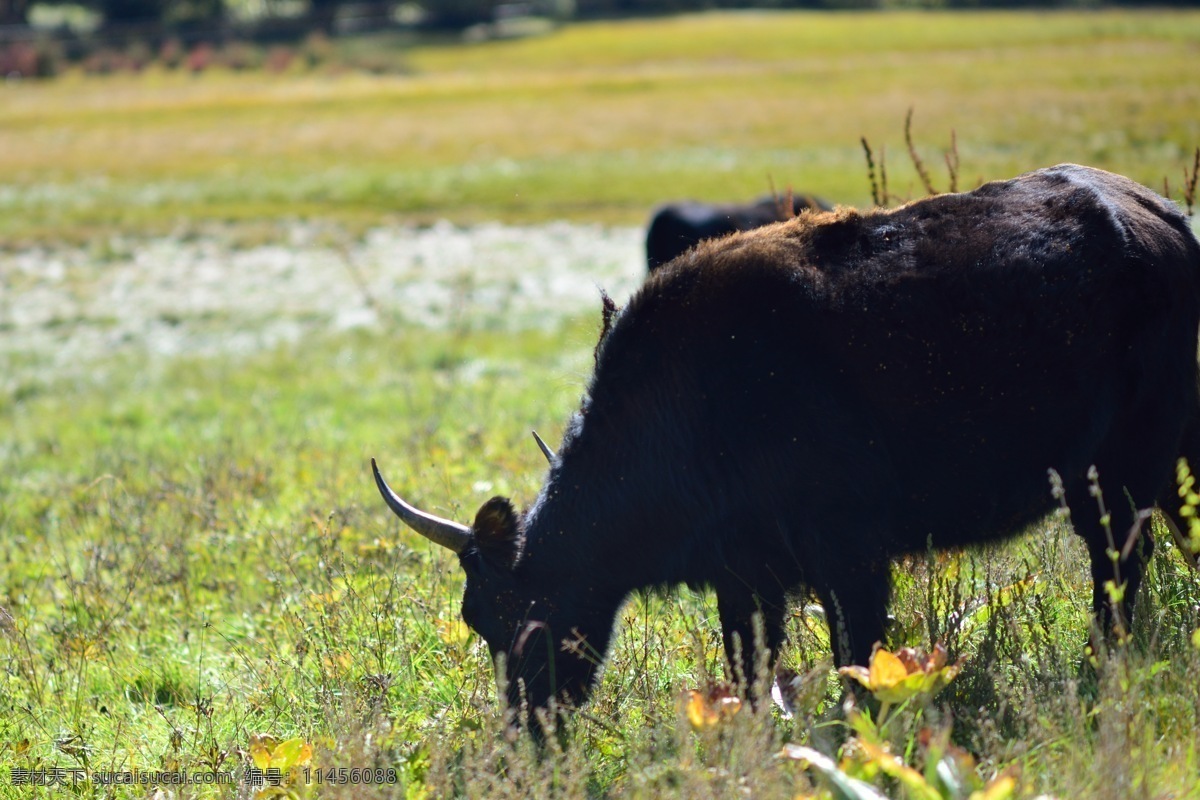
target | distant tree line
[{"x": 458, "y": 14}]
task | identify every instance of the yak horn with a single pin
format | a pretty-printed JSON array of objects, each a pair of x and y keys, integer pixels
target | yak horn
[
  {"x": 437, "y": 530},
  {"x": 546, "y": 451}
]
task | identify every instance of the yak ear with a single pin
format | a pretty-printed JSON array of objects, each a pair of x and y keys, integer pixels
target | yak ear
[{"x": 497, "y": 531}]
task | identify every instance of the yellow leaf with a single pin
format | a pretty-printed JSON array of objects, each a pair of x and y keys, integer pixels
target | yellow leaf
[
  {"x": 290, "y": 753},
  {"x": 706, "y": 709},
  {"x": 886, "y": 670},
  {"x": 273, "y": 791},
  {"x": 895, "y": 677},
  {"x": 453, "y": 632},
  {"x": 1001, "y": 788},
  {"x": 700, "y": 714},
  {"x": 858, "y": 673},
  {"x": 260, "y": 756},
  {"x": 262, "y": 745},
  {"x": 916, "y": 684},
  {"x": 894, "y": 767}
]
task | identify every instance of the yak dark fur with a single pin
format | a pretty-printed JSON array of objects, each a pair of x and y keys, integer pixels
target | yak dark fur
[
  {"x": 677, "y": 227},
  {"x": 791, "y": 408}
]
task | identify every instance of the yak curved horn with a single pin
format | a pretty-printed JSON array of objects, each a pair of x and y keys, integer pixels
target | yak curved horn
[
  {"x": 448, "y": 534},
  {"x": 546, "y": 451}
]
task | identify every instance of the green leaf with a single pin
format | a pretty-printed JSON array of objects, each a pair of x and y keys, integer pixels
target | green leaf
[
  {"x": 840, "y": 784},
  {"x": 894, "y": 767}
]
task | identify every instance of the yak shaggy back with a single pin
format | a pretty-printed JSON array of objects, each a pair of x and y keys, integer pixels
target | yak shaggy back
[{"x": 801, "y": 403}]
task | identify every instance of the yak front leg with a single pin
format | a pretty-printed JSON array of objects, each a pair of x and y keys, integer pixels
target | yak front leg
[
  {"x": 855, "y": 601},
  {"x": 739, "y": 609}
]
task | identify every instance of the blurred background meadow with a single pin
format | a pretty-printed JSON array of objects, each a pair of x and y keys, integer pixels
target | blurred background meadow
[{"x": 245, "y": 247}]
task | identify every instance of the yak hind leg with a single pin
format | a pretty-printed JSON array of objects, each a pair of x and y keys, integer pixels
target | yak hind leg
[
  {"x": 1169, "y": 501},
  {"x": 1115, "y": 580},
  {"x": 1134, "y": 470},
  {"x": 1115, "y": 527}
]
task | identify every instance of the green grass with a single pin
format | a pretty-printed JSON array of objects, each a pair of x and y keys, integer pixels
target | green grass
[
  {"x": 192, "y": 553},
  {"x": 182, "y": 537},
  {"x": 601, "y": 121}
]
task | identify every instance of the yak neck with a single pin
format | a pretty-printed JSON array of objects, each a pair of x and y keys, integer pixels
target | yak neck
[{"x": 604, "y": 522}]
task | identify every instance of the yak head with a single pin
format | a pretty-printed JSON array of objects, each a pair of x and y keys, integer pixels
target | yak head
[{"x": 535, "y": 629}]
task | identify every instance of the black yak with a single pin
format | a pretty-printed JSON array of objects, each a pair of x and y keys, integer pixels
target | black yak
[
  {"x": 791, "y": 408},
  {"x": 677, "y": 227}
]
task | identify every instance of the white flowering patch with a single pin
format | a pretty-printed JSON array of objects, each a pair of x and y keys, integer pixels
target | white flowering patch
[{"x": 61, "y": 309}]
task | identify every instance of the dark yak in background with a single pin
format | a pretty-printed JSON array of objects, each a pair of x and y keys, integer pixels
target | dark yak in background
[
  {"x": 791, "y": 408},
  {"x": 677, "y": 227}
]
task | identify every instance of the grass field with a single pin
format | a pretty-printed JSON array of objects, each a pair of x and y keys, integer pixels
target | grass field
[
  {"x": 601, "y": 121},
  {"x": 193, "y": 558}
]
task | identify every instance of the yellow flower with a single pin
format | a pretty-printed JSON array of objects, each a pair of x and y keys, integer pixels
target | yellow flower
[
  {"x": 895, "y": 677},
  {"x": 708, "y": 709}
]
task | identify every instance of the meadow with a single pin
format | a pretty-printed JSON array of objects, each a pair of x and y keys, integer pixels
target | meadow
[
  {"x": 196, "y": 573},
  {"x": 599, "y": 121}
]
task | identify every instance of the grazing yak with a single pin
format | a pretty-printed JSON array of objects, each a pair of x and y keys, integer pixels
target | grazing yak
[
  {"x": 677, "y": 227},
  {"x": 791, "y": 408}
]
